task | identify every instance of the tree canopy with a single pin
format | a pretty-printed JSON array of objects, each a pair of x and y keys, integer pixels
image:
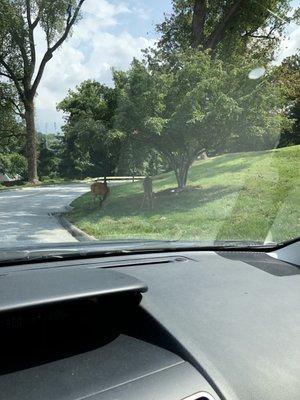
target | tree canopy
[
  {"x": 19, "y": 21},
  {"x": 204, "y": 103},
  {"x": 92, "y": 146},
  {"x": 225, "y": 27}
]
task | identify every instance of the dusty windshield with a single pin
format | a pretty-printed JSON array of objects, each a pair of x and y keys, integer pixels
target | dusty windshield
[{"x": 163, "y": 120}]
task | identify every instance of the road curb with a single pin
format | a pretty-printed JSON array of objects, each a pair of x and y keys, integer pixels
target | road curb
[{"x": 73, "y": 230}]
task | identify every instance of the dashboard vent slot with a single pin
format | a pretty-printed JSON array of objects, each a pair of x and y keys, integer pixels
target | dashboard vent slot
[{"x": 142, "y": 261}]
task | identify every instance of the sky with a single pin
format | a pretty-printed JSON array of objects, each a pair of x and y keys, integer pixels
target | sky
[{"x": 109, "y": 34}]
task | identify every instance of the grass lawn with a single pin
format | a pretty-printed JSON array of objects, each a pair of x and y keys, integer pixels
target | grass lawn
[{"x": 244, "y": 196}]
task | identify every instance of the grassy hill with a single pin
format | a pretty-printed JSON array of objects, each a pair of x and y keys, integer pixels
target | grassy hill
[{"x": 244, "y": 196}]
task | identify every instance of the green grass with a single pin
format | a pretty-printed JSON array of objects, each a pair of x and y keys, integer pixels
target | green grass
[{"x": 245, "y": 196}]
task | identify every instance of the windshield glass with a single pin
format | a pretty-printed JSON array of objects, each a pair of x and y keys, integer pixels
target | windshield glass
[{"x": 174, "y": 120}]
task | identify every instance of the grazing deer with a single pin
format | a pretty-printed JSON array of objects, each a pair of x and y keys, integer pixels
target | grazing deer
[
  {"x": 148, "y": 193},
  {"x": 101, "y": 190}
]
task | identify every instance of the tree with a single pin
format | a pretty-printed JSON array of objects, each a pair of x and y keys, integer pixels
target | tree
[
  {"x": 13, "y": 164},
  {"x": 11, "y": 127},
  {"x": 19, "y": 21},
  {"x": 12, "y": 159},
  {"x": 224, "y": 27},
  {"x": 202, "y": 103},
  {"x": 288, "y": 76},
  {"x": 91, "y": 144},
  {"x": 49, "y": 151}
]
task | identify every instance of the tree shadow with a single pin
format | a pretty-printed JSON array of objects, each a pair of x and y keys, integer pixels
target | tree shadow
[
  {"x": 165, "y": 202},
  {"x": 215, "y": 167}
]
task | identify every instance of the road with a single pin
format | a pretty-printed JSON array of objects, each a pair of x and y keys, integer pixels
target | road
[{"x": 25, "y": 214}]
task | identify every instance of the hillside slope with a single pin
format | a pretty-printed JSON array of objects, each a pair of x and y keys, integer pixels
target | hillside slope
[{"x": 245, "y": 196}]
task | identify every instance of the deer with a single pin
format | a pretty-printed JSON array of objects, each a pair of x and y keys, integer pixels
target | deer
[
  {"x": 148, "y": 193},
  {"x": 101, "y": 190}
]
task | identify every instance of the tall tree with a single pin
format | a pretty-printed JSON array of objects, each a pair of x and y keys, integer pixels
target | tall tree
[
  {"x": 224, "y": 26},
  {"x": 19, "y": 21}
]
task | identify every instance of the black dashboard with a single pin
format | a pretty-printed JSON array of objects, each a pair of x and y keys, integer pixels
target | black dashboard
[{"x": 195, "y": 325}]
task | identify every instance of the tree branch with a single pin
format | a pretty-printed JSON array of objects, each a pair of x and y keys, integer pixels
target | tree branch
[
  {"x": 266, "y": 36},
  {"x": 24, "y": 55},
  {"x": 219, "y": 31},
  {"x": 9, "y": 99},
  {"x": 199, "y": 17},
  {"x": 49, "y": 53},
  {"x": 35, "y": 22},
  {"x": 11, "y": 75},
  {"x": 28, "y": 13},
  {"x": 18, "y": 110},
  {"x": 262, "y": 37},
  {"x": 70, "y": 22},
  {"x": 31, "y": 27},
  {"x": 6, "y": 75}
]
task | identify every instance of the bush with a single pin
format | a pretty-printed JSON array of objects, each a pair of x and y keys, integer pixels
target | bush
[{"x": 13, "y": 164}]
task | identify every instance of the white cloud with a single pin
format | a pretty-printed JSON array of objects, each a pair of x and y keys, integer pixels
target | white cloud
[
  {"x": 89, "y": 53},
  {"x": 141, "y": 12}
]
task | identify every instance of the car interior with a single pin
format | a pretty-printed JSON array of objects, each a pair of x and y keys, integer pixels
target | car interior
[{"x": 179, "y": 325}]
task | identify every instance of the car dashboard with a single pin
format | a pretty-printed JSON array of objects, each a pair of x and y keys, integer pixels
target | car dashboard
[{"x": 186, "y": 325}]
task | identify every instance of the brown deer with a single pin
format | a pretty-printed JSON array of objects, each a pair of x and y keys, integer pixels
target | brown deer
[
  {"x": 101, "y": 190},
  {"x": 148, "y": 193}
]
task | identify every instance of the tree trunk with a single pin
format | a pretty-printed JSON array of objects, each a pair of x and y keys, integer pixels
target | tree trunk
[
  {"x": 199, "y": 17},
  {"x": 182, "y": 175},
  {"x": 218, "y": 33},
  {"x": 31, "y": 142}
]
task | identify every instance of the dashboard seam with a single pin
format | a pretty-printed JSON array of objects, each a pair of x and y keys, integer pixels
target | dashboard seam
[{"x": 131, "y": 380}]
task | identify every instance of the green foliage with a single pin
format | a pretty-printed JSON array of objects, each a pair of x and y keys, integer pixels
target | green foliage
[
  {"x": 11, "y": 127},
  {"x": 90, "y": 99},
  {"x": 53, "y": 15},
  {"x": 288, "y": 75},
  {"x": 13, "y": 164},
  {"x": 94, "y": 143},
  {"x": 91, "y": 145},
  {"x": 203, "y": 103},
  {"x": 12, "y": 151},
  {"x": 229, "y": 27},
  {"x": 50, "y": 149}
]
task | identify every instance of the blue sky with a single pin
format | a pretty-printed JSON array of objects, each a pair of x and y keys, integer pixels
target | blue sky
[{"x": 109, "y": 35}]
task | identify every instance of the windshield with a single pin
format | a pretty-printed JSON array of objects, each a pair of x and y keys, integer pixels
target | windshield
[{"x": 135, "y": 122}]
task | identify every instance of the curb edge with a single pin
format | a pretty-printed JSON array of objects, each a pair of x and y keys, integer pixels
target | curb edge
[{"x": 73, "y": 230}]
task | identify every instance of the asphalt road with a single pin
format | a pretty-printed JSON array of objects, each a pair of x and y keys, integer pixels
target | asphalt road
[{"x": 25, "y": 214}]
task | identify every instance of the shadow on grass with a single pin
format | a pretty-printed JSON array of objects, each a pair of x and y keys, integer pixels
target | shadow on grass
[
  {"x": 165, "y": 203},
  {"x": 213, "y": 167}
]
